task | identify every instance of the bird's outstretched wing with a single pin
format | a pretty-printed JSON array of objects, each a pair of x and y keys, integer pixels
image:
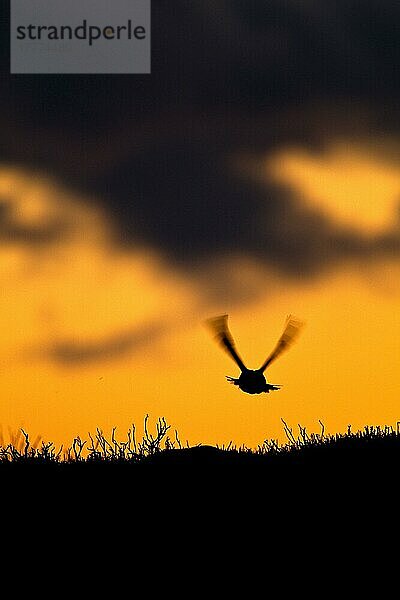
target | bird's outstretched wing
[
  {"x": 292, "y": 329},
  {"x": 219, "y": 326}
]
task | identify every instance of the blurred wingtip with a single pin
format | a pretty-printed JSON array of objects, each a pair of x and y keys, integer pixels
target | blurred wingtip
[
  {"x": 217, "y": 323},
  {"x": 295, "y": 320}
]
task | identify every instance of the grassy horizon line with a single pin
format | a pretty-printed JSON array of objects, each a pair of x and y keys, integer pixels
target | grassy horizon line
[{"x": 99, "y": 449}]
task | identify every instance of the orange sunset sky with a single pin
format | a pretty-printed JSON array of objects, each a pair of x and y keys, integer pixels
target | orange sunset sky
[
  {"x": 343, "y": 369},
  {"x": 254, "y": 172}
]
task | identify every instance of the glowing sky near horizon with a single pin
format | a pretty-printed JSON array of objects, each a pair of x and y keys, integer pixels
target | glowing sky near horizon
[{"x": 79, "y": 290}]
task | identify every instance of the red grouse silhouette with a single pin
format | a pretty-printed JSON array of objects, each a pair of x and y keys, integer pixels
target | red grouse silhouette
[{"x": 254, "y": 382}]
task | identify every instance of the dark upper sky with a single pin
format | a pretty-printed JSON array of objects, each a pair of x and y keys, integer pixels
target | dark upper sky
[{"x": 228, "y": 78}]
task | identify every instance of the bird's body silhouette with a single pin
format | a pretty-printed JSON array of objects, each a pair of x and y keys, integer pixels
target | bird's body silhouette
[{"x": 249, "y": 381}]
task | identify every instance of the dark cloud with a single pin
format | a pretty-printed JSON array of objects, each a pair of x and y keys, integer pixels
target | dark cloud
[
  {"x": 72, "y": 353},
  {"x": 208, "y": 209},
  {"x": 228, "y": 77}
]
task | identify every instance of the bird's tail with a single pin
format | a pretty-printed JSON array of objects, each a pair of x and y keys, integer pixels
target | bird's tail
[{"x": 273, "y": 387}]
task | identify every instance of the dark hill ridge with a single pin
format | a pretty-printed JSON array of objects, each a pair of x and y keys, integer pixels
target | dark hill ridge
[
  {"x": 346, "y": 453},
  {"x": 373, "y": 448},
  {"x": 304, "y": 494}
]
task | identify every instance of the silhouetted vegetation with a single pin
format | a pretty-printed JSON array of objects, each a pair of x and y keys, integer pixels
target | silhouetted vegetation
[{"x": 160, "y": 448}]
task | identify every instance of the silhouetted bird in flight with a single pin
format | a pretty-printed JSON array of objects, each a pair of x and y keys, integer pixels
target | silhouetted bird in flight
[{"x": 254, "y": 382}]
